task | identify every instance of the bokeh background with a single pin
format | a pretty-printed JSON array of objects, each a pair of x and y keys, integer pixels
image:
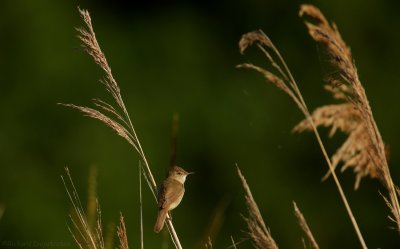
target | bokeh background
[{"x": 180, "y": 56}]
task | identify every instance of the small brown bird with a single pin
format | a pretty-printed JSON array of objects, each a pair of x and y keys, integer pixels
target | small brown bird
[{"x": 170, "y": 194}]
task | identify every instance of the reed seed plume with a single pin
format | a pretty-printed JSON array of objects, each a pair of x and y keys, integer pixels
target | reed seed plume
[
  {"x": 304, "y": 226},
  {"x": 85, "y": 236},
  {"x": 114, "y": 115},
  {"x": 364, "y": 149},
  {"x": 283, "y": 79},
  {"x": 258, "y": 231},
  {"x": 355, "y": 152},
  {"x": 116, "y": 126},
  {"x": 121, "y": 231}
]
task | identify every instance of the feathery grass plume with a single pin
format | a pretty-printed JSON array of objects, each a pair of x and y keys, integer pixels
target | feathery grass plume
[
  {"x": 258, "y": 231},
  {"x": 121, "y": 231},
  {"x": 364, "y": 148},
  {"x": 85, "y": 236},
  {"x": 304, "y": 226},
  {"x": 114, "y": 115},
  {"x": 355, "y": 152},
  {"x": 284, "y": 80}
]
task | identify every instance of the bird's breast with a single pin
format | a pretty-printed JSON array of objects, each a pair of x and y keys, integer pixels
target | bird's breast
[{"x": 178, "y": 200}]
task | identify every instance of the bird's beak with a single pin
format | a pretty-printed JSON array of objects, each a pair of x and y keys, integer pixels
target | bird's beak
[{"x": 190, "y": 173}]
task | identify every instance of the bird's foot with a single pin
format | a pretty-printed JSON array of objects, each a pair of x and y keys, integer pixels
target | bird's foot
[{"x": 169, "y": 216}]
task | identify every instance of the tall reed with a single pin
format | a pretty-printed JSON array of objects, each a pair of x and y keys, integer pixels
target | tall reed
[
  {"x": 115, "y": 115},
  {"x": 284, "y": 80},
  {"x": 364, "y": 149}
]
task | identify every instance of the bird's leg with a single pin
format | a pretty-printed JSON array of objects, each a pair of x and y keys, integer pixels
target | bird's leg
[{"x": 169, "y": 216}]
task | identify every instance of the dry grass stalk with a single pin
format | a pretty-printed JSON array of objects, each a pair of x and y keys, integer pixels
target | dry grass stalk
[
  {"x": 208, "y": 244},
  {"x": 304, "y": 226},
  {"x": 258, "y": 231},
  {"x": 86, "y": 236},
  {"x": 285, "y": 81},
  {"x": 141, "y": 207},
  {"x": 121, "y": 231},
  {"x": 364, "y": 148},
  {"x": 233, "y": 243},
  {"x": 114, "y": 116}
]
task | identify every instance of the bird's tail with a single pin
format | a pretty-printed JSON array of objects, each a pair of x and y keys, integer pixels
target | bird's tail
[{"x": 162, "y": 214}]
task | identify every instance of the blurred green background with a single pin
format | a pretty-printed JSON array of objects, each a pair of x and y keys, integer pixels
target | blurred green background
[{"x": 180, "y": 56}]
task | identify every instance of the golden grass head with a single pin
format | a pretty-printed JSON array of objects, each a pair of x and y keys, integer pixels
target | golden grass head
[
  {"x": 258, "y": 231},
  {"x": 364, "y": 149},
  {"x": 357, "y": 150}
]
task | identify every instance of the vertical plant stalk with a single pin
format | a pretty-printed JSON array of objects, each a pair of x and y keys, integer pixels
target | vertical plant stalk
[
  {"x": 286, "y": 83},
  {"x": 114, "y": 116},
  {"x": 141, "y": 207}
]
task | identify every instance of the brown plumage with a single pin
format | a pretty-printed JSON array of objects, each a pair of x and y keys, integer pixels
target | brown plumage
[{"x": 170, "y": 194}]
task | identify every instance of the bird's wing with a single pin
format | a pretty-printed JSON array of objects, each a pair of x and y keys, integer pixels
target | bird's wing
[{"x": 170, "y": 191}]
